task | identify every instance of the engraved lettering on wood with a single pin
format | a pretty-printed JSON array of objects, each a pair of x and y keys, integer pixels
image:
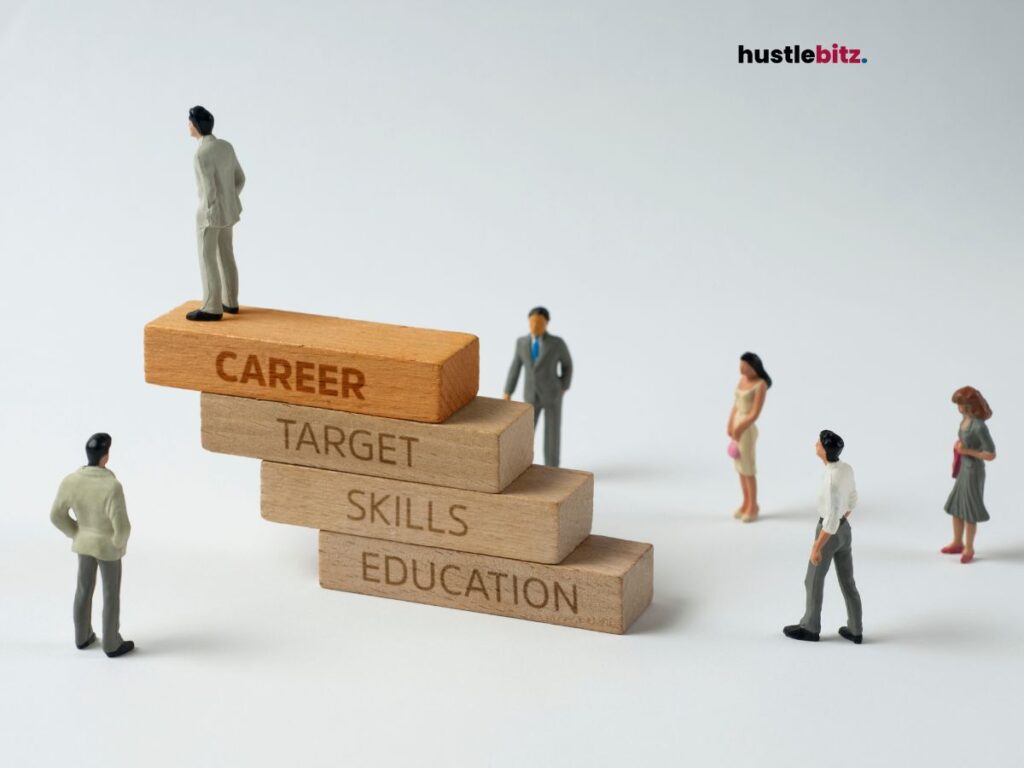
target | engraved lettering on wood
[
  {"x": 541, "y": 517},
  {"x": 605, "y": 584}
]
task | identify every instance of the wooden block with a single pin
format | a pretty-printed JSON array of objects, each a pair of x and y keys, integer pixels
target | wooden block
[
  {"x": 541, "y": 517},
  {"x": 326, "y": 362},
  {"x": 482, "y": 447},
  {"x": 605, "y": 584}
]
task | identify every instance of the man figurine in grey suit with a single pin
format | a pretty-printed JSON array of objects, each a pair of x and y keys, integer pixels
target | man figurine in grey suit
[
  {"x": 548, "y": 375},
  {"x": 99, "y": 534},
  {"x": 220, "y": 180},
  {"x": 833, "y": 541}
]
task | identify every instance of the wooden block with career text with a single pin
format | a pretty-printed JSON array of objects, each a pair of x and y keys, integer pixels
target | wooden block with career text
[
  {"x": 326, "y": 362},
  {"x": 482, "y": 447},
  {"x": 605, "y": 584},
  {"x": 541, "y": 517}
]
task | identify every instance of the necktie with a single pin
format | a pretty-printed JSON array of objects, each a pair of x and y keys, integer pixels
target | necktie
[{"x": 535, "y": 349}]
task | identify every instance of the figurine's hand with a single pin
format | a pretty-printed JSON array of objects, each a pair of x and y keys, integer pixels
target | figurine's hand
[
  {"x": 815, "y": 556},
  {"x": 506, "y": 396},
  {"x": 738, "y": 430}
]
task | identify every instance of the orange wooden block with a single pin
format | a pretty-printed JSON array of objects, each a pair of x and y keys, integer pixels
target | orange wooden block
[{"x": 326, "y": 362}]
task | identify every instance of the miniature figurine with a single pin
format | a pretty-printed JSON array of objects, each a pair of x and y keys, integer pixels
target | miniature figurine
[
  {"x": 542, "y": 354},
  {"x": 832, "y": 541},
  {"x": 742, "y": 428},
  {"x": 220, "y": 181},
  {"x": 966, "y": 503},
  {"x": 99, "y": 533}
]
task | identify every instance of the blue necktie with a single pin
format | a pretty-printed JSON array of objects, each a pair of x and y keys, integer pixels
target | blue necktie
[{"x": 535, "y": 349}]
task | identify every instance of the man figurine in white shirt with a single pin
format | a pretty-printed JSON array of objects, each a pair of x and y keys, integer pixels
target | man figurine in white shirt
[{"x": 832, "y": 541}]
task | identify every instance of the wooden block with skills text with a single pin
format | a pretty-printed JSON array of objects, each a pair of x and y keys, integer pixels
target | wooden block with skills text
[
  {"x": 326, "y": 362},
  {"x": 605, "y": 584},
  {"x": 482, "y": 447},
  {"x": 541, "y": 517}
]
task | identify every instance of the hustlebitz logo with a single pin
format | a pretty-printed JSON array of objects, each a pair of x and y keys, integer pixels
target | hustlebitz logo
[{"x": 795, "y": 54}]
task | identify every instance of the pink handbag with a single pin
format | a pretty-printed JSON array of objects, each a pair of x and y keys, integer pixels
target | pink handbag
[
  {"x": 956, "y": 462},
  {"x": 734, "y": 450}
]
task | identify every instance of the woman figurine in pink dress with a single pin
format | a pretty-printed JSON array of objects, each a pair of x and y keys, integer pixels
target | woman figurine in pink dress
[{"x": 742, "y": 428}]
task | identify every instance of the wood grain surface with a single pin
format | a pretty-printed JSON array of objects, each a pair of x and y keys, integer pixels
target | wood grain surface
[
  {"x": 327, "y": 362},
  {"x": 604, "y": 585},
  {"x": 541, "y": 517},
  {"x": 482, "y": 447}
]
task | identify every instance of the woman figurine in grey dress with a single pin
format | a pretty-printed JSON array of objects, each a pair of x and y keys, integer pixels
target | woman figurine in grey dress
[{"x": 966, "y": 502}]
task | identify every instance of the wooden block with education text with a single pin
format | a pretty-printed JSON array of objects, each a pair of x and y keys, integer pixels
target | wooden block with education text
[
  {"x": 604, "y": 585},
  {"x": 482, "y": 447},
  {"x": 326, "y": 362},
  {"x": 541, "y": 517}
]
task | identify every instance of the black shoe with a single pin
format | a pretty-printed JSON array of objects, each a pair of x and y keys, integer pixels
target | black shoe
[
  {"x": 87, "y": 643},
  {"x": 126, "y": 647},
  {"x": 231, "y": 310},
  {"x": 856, "y": 639},
  {"x": 198, "y": 314},
  {"x": 796, "y": 632}
]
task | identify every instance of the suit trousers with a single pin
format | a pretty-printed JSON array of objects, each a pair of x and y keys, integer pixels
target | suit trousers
[
  {"x": 552, "y": 428},
  {"x": 110, "y": 570},
  {"x": 839, "y": 548},
  {"x": 217, "y": 266}
]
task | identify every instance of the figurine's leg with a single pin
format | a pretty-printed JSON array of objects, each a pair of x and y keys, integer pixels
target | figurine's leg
[
  {"x": 210, "y": 271},
  {"x": 537, "y": 408},
  {"x": 751, "y": 497},
  {"x": 814, "y": 584},
  {"x": 228, "y": 270},
  {"x": 552, "y": 433},
  {"x": 844, "y": 570},
  {"x": 972, "y": 529},
  {"x": 958, "y": 531},
  {"x": 83, "y": 598},
  {"x": 746, "y": 496},
  {"x": 110, "y": 570}
]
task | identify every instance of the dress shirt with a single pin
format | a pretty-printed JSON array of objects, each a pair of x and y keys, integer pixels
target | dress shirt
[{"x": 838, "y": 495}]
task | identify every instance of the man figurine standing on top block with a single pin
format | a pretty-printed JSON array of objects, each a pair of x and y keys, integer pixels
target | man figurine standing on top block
[
  {"x": 542, "y": 354},
  {"x": 832, "y": 541},
  {"x": 99, "y": 534},
  {"x": 220, "y": 180}
]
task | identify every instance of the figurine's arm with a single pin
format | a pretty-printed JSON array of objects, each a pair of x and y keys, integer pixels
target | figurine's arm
[
  {"x": 513, "y": 374},
  {"x": 117, "y": 511},
  {"x": 239, "y": 177},
  {"x": 728, "y": 426},
  {"x": 59, "y": 515},
  {"x": 566, "y": 362},
  {"x": 830, "y": 520}
]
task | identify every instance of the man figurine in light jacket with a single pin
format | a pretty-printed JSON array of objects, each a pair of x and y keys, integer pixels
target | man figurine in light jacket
[
  {"x": 220, "y": 181},
  {"x": 99, "y": 534},
  {"x": 832, "y": 541},
  {"x": 542, "y": 355}
]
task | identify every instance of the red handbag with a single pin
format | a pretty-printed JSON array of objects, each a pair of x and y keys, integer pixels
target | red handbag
[{"x": 956, "y": 462}]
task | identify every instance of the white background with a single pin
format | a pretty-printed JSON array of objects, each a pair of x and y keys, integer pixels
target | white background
[{"x": 450, "y": 165}]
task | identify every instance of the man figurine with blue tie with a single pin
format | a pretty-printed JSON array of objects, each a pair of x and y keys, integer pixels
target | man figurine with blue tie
[{"x": 548, "y": 374}]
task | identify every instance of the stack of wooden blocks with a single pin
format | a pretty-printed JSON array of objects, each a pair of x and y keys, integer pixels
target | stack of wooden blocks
[{"x": 421, "y": 490}]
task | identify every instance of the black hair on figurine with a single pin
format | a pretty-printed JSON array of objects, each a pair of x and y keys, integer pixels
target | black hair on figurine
[
  {"x": 832, "y": 443},
  {"x": 97, "y": 447},
  {"x": 540, "y": 311},
  {"x": 201, "y": 118},
  {"x": 755, "y": 362}
]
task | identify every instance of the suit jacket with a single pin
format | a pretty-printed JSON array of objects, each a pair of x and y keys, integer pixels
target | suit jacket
[
  {"x": 220, "y": 180},
  {"x": 543, "y": 381},
  {"x": 101, "y": 529}
]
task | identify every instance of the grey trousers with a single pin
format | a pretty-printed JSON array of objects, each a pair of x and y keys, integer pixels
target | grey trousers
[
  {"x": 111, "y": 573},
  {"x": 838, "y": 548},
  {"x": 217, "y": 266},
  {"x": 552, "y": 429}
]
